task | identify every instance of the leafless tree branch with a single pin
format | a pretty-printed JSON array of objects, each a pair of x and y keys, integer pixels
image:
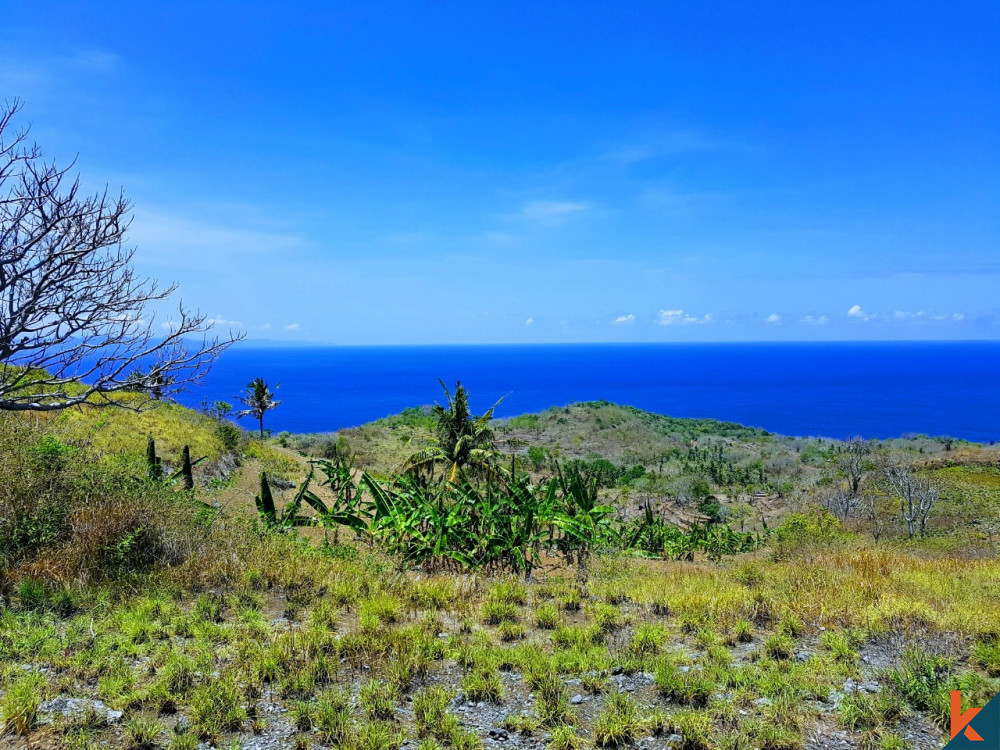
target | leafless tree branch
[
  {"x": 915, "y": 494},
  {"x": 75, "y": 318}
]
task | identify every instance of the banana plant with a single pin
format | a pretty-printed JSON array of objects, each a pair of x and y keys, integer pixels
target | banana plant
[
  {"x": 346, "y": 509},
  {"x": 288, "y": 518},
  {"x": 581, "y": 516},
  {"x": 184, "y": 473}
]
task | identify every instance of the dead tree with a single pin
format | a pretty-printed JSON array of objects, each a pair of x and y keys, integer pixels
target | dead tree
[
  {"x": 915, "y": 494},
  {"x": 871, "y": 505},
  {"x": 844, "y": 503},
  {"x": 854, "y": 458},
  {"x": 76, "y": 323}
]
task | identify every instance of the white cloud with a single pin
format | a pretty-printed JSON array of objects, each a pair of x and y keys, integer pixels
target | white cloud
[
  {"x": 623, "y": 320},
  {"x": 679, "y": 317},
  {"x": 816, "y": 320},
  {"x": 218, "y": 320},
  {"x": 857, "y": 313},
  {"x": 923, "y": 315},
  {"x": 168, "y": 236},
  {"x": 773, "y": 318},
  {"x": 292, "y": 327},
  {"x": 529, "y": 321},
  {"x": 551, "y": 212}
]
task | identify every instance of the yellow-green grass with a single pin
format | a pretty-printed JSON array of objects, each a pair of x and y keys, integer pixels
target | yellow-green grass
[
  {"x": 877, "y": 589},
  {"x": 361, "y": 651}
]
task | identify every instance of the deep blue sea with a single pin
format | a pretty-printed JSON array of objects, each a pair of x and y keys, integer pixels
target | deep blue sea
[{"x": 830, "y": 389}]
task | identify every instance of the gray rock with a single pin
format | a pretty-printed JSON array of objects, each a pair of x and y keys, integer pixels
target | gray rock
[
  {"x": 576, "y": 699},
  {"x": 75, "y": 707}
]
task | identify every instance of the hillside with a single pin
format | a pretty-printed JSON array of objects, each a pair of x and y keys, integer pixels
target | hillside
[
  {"x": 140, "y": 616},
  {"x": 656, "y": 459}
]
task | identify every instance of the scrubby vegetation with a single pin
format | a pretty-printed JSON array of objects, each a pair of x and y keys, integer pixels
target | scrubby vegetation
[{"x": 603, "y": 578}]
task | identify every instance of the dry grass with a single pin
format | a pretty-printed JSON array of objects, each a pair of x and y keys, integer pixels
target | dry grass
[{"x": 163, "y": 609}]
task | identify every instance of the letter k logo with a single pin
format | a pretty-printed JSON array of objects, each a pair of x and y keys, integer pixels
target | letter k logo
[{"x": 960, "y": 721}]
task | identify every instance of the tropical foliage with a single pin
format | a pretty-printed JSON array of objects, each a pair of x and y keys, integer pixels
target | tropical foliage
[
  {"x": 654, "y": 536},
  {"x": 259, "y": 400},
  {"x": 463, "y": 442}
]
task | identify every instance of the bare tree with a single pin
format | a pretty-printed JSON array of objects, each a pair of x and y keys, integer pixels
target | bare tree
[
  {"x": 75, "y": 318},
  {"x": 844, "y": 503},
  {"x": 872, "y": 503},
  {"x": 916, "y": 494},
  {"x": 854, "y": 458}
]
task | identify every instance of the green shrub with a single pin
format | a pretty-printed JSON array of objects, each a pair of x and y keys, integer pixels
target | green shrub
[
  {"x": 379, "y": 735},
  {"x": 546, "y": 617},
  {"x": 141, "y": 734},
  {"x": 495, "y": 613},
  {"x": 378, "y": 700},
  {"x": 778, "y": 646},
  {"x": 483, "y": 685},
  {"x": 331, "y": 718},
  {"x": 565, "y": 738},
  {"x": 987, "y": 655},
  {"x": 861, "y": 710},
  {"x": 618, "y": 724},
  {"x": 695, "y": 729},
  {"x": 551, "y": 700},
  {"x": 20, "y": 702},
  {"x": 229, "y": 435},
  {"x": 430, "y": 713},
  {"x": 216, "y": 707}
]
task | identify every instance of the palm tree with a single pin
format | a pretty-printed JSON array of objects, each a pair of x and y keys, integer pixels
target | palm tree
[
  {"x": 462, "y": 439},
  {"x": 259, "y": 399}
]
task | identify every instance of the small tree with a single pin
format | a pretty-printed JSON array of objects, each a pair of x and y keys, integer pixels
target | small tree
[
  {"x": 75, "y": 318},
  {"x": 844, "y": 502},
  {"x": 259, "y": 400},
  {"x": 854, "y": 457},
  {"x": 462, "y": 440},
  {"x": 916, "y": 494},
  {"x": 877, "y": 509},
  {"x": 217, "y": 410}
]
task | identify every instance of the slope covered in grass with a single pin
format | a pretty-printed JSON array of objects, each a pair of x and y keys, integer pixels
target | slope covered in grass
[{"x": 171, "y": 622}]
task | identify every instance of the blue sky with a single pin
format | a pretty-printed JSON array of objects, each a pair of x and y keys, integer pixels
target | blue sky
[{"x": 540, "y": 172}]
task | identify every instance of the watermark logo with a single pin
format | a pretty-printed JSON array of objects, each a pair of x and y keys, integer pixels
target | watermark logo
[{"x": 974, "y": 727}]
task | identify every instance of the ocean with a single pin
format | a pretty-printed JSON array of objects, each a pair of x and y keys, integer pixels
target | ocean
[{"x": 838, "y": 390}]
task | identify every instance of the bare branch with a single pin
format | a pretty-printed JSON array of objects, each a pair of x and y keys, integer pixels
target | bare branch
[
  {"x": 915, "y": 494},
  {"x": 75, "y": 318}
]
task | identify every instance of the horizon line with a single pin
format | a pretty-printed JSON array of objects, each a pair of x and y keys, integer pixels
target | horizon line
[{"x": 305, "y": 343}]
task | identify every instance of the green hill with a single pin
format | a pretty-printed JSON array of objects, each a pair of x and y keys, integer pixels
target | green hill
[{"x": 137, "y": 615}]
